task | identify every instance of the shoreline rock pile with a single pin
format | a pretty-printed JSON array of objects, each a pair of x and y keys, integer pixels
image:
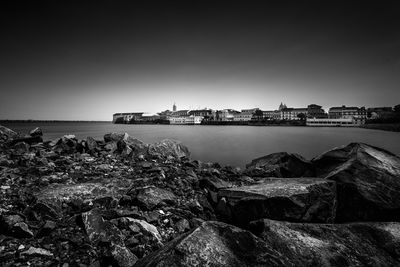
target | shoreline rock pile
[{"x": 121, "y": 202}]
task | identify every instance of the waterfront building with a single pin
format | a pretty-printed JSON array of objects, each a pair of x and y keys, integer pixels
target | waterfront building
[
  {"x": 272, "y": 114},
  {"x": 227, "y": 114},
  {"x": 315, "y": 111},
  {"x": 347, "y": 112},
  {"x": 325, "y": 122},
  {"x": 201, "y": 112},
  {"x": 186, "y": 120},
  {"x": 380, "y": 113},
  {"x": 127, "y": 117},
  {"x": 245, "y": 115},
  {"x": 151, "y": 117},
  {"x": 293, "y": 113}
]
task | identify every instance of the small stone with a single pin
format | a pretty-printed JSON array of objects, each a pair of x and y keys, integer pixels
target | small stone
[
  {"x": 32, "y": 251},
  {"x": 21, "y": 247}
]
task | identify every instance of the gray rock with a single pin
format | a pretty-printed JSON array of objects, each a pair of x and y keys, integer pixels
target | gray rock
[
  {"x": 115, "y": 137},
  {"x": 99, "y": 230},
  {"x": 357, "y": 244},
  {"x": 289, "y": 199},
  {"x": 91, "y": 144},
  {"x": 36, "y": 132},
  {"x": 368, "y": 182},
  {"x": 280, "y": 165},
  {"x": 7, "y": 134},
  {"x": 32, "y": 251},
  {"x": 14, "y": 225},
  {"x": 216, "y": 244},
  {"x": 150, "y": 197},
  {"x": 168, "y": 148}
]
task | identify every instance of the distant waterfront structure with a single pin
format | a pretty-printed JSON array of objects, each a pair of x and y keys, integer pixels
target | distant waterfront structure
[{"x": 174, "y": 107}]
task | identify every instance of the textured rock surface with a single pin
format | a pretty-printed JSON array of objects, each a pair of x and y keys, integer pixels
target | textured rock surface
[
  {"x": 368, "y": 182},
  {"x": 294, "y": 199},
  {"x": 357, "y": 244},
  {"x": 216, "y": 244},
  {"x": 281, "y": 164},
  {"x": 168, "y": 148}
]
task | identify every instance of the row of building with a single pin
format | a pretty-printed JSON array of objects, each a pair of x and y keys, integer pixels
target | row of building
[{"x": 313, "y": 114}]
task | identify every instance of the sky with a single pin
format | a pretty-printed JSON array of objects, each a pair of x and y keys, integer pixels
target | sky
[{"x": 85, "y": 60}]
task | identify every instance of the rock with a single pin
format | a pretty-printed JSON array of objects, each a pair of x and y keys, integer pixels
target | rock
[
  {"x": 216, "y": 244},
  {"x": 46, "y": 229},
  {"x": 55, "y": 195},
  {"x": 280, "y": 165},
  {"x": 30, "y": 140},
  {"x": 14, "y": 225},
  {"x": 356, "y": 244},
  {"x": 7, "y": 134},
  {"x": 150, "y": 197},
  {"x": 32, "y": 251},
  {"x": 21, "y": 148},
  {"x": 182, "y": 225},
  {"x": 168, "y": 148},
  {"x": 289, "y": 199},
  {"x": 101, "y": 231},
  {"x": 213, "y": 184},
  {"x": 368, "y": 182},
  {"x": 91, "y": 144},
  {"x": 115, "y": 137},
  {"x": 36, "y": 132},
  {"x": 147, "y": 228}
]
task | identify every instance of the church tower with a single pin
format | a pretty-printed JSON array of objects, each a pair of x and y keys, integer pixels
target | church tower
[{"x": 174, "y": 107}]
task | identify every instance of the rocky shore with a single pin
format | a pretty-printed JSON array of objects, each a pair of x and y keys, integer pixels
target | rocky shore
[{"x": 121, "y": 202}]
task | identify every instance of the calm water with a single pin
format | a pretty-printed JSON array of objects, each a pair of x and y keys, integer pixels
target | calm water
[{"x": 228, "y": 145}]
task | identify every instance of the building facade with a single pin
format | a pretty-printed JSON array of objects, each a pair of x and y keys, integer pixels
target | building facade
[
  {"x": 293, "y": 113},
  {"x": 127, "y": 117},
  {"x": 245, "y": 115},
  {"x": 344, "y": 112}
]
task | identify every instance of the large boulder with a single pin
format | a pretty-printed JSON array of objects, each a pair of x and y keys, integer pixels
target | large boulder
[
  {"x": 150, "y": 197},
  {"x": 280, "y": 165},
  {"x": 80, "y": 196},
  {"x": 168, "y": 148},
  {"x": 368, "y": 182},
  {"x": 216, "y": 244},
  {"x": 7, "y": 134},
  {"x": 357, "y": 244},
  {"x": 102, "y": 232},
  {"x": 290, "y": 199},
  {"x": 36, "y": 132}
]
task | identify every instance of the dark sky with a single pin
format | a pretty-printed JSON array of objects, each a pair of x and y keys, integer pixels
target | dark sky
[{"x": 85, "y": 60}]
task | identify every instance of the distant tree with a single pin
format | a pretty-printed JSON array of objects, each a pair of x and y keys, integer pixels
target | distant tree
[
  {"x": 258, "y": 115},
  {"x": 397, "y": 108},
  {"x": 119, "y": 120},
  {"x": 301, "y": 116}
]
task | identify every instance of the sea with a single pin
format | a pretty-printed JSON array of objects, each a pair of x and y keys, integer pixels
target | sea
[{"x": 227, "y": 145}]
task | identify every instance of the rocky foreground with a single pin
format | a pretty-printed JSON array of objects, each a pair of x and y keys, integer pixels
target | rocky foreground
[{"x": 120, "y": 202}]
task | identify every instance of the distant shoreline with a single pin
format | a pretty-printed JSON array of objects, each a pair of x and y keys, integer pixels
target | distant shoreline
[{"x": 46, "y": 121}]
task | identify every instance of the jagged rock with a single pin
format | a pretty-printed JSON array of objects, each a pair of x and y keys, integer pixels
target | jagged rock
[
  {"x": 368, "y": 182},
  {"x": 7, "y": 134},
  {"x": 115, "y": 137},
  {"x": 182, "y": 226},
  {"x": 150, "y": 197},
  {"x": 32, "y": 251},
  {"x": 213, "y": 184},
  {"x": 20, "y": 148},
  {"x": 168, "y": 148},
  {"x": 290, "y": 199},
  {"x": 280, "y": 165},
  {"x": 91, "y": 144},
  {"x": 216, "y": 244},
  {"x": 147, "y": 228},
  {"x": 14, "y": 225},
  {"x": 101, "y": 231},
  {"x": 30, "y": 140},
  {"x": 84, "y": 193},
  {"x": 36, "y": 132},
  {"x": 46, "y": 229},
  {"x": 357, "y": 244}
]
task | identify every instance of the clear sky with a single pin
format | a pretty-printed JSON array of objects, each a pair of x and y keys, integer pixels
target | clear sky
[{"x": 85, "y": 60}]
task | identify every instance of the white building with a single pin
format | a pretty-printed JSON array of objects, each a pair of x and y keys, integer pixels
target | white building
[
  {"x": 347, "y": 122},
  {"x": 186, "y": 120}
]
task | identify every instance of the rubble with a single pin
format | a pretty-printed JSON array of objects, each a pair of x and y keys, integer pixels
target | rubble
[{"x": 122, "y": 202}]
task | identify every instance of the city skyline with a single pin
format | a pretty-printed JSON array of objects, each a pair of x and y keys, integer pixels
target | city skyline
[{"x": 86, "y": 61}]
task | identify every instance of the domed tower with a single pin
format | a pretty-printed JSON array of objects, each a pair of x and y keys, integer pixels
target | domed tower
[
  {"x": 174, "y": 107},
  {"x": 282, "y": 106}
]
